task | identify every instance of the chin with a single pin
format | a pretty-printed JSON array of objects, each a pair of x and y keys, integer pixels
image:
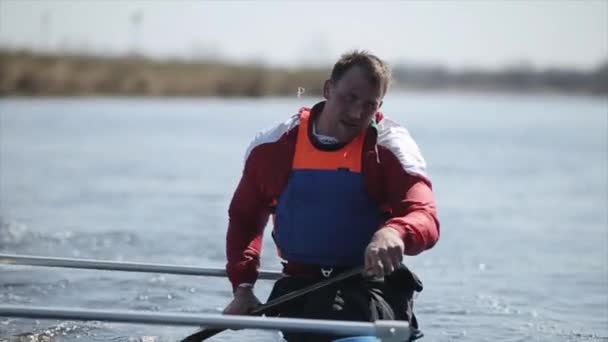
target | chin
[{"x": 348, "y": 136}]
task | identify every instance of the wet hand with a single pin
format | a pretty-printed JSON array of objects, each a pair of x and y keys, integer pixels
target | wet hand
[
  {"x": 244, "y": 301},
  {"x": 384, "y": 253}
]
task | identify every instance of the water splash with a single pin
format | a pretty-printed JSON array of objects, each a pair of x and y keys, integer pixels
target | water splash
[
  {"x": 54, "y": 333},
  {"x": 12, "y": 233}
]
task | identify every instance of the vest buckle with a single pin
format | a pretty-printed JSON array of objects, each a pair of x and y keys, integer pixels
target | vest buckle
[{"x": 326, "y": 272}]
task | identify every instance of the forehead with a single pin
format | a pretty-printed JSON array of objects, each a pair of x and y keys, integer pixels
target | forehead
[{"x": 357, "y": 81}]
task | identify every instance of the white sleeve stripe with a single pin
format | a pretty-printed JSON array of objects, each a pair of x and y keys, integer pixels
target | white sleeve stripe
[
  {"x": 273, "y": 134},
  {"x": 399, "y": 141}
]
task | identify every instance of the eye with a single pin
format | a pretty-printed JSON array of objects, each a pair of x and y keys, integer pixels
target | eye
[{"x": 369, "y": 106}]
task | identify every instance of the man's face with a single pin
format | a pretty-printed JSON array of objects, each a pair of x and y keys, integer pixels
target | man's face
[{"x": 351, "y": 103}]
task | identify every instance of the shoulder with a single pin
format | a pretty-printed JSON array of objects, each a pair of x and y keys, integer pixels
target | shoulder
[
  {"x": 396, "y": 140},
  {"x": 273, "y": 134}
]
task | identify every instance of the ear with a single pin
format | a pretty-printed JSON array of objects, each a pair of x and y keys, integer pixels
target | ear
[
  {"x": 380, "y": 105},
  {"x": 327, "y": 89}
]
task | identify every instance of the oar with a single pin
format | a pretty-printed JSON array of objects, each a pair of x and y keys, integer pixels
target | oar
[
  {"x": 31, "y": 260},
  {"x": 264, "y": 308},
  {"x": 381, "y": 329}
]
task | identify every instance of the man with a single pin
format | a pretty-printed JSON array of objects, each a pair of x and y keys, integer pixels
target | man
[{"x": 345, "y": 187}]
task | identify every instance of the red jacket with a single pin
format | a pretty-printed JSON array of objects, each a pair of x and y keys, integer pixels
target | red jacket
[{"x": 393, "y": 169}]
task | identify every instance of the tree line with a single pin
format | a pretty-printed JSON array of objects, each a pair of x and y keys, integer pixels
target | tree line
[{"x": 24, "y": 73}]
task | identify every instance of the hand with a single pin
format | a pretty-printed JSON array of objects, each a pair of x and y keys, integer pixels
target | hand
[
  {"x": 244, "y": 301},
  {"x": 384, "y": 253}
]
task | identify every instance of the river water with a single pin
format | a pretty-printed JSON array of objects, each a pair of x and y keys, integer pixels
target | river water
[{"x": 521, "y": 186}]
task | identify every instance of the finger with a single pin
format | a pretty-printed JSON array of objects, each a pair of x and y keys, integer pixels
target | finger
[
  {"x": 228, "y": 310},
  {"x": 387, "y": 262},
  {"x": 372, "y": 260},
  {"x": 375, "y": 263},
  {"x": 253, "y": 305},
  {"x": 378, "y": 267},
  {"x": 396, "y": 255},
  {"x": 369, "y": 270}
]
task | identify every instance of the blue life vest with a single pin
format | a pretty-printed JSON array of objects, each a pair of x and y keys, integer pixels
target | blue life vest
[{"x": 325, "y": 215}]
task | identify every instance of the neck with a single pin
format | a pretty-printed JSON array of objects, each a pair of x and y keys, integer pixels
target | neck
[{"x": 323, "y": 125}]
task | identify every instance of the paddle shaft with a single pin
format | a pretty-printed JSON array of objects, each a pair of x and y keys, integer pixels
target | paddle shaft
[
  {"x": 107, "y": 265},
  {"x": 264, "y": 308}
]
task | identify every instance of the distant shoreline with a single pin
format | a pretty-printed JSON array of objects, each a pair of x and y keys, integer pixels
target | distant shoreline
[
  {"x": 43, "y": 75},
  {"x": 305, "y": 100}
]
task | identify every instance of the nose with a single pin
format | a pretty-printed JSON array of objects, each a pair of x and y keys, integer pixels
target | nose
[
  {"x": 355, "y": 112},
  {"x": 353, "y": 115}
]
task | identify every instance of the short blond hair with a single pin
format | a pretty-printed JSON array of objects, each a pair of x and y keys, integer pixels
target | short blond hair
[{"x": 377, "y": 70}]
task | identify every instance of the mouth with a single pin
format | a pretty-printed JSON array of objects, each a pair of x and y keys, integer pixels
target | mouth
[{"x": 349, "y": 124}]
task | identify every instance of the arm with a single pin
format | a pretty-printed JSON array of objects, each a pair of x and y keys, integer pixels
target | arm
[
  {"x": 248, "y": 215},
  {"x": 414, "y": 213},
  {"x": 413, "y": 226}
]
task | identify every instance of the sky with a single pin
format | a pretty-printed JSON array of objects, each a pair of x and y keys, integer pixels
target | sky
[{"x": 455, "y": 34}]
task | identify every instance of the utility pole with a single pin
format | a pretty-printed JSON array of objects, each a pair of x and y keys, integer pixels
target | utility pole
[
  {"x": 137, "y": 19},
  {"x": 45, "y": 31}
]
